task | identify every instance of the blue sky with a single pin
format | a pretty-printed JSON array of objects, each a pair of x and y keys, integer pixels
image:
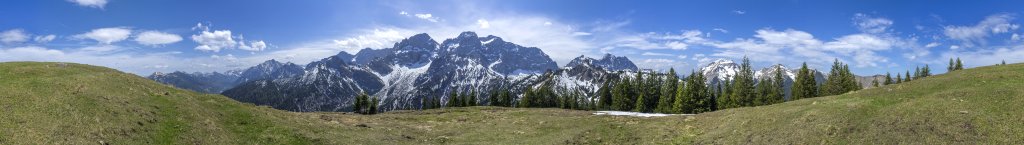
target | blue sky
[{"x": 874, "y": 37}]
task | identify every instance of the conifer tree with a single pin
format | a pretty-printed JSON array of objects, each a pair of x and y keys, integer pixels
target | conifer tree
[
  {"x": 639, "y": 106},
  {"x": 525, "y": 101},
  {"x": 906, "y": 78},
  {"x": 804, "y": 86},
  {"x": 605, "y": 94},
  {"x": 668, "y": 92},
  {"x": 373, "y": 105},
  {"x": 778, "y": 89},
  {"x": 898, "y": 79},
  {"x": 917, "y": 73},
  {"x": 762, "y": 89},
  {"x": 1004, "y": 62},
  {"x": 874, "y": 83},
  {"x": 925, "y": 72},
  {"x": 453, "y": 99},
  {"x": 621, "y": 96},
  {"x": 743, "y": 86},
  {"x": 358, "y": 105},
  {"x": 951, "y": 65},
  {"x": 681, "y": 103},
  {"x": 471, "y": 101},
  {"x": 959, "y": 64}
]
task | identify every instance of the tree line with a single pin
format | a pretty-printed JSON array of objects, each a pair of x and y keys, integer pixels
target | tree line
[{"x": 667, "y": 93}]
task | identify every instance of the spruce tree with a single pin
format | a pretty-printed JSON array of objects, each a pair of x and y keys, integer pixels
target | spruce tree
[
  {"x": 743, "y": 86},
  {"x": 639, "y": 106},
  {"x": 925, "y": 72},
  {"x": 917, "y": 73},
  {"x": 778, "y": 89},
  {"x": 605, "y": 95},
  {"x": 680, "y": 104},
  {"x": 453, "y": 99},
  {"x": 1004, "y": 62},
  {"x": 898, "y": 79},
  {"x": 358, "y": 105},
  {"x": 525, "y": 101},
  {"x": 668, "y": 92},
  {"x": 805, "y": 85},
  {"x": 373, "y": 105},
  {"x": 762, "y": 89},
  {"x": 906, "y": 78},
  {"x": 874, "y": 83},
  {"x": 951, "y": 65},
  {"x": 959, "y": 64},
  {"x": 621, "y": 99},
  {"x": 472, "y": 98}
]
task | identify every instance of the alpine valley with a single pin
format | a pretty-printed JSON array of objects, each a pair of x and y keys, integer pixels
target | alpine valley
[{"x": 419, "y": 67}]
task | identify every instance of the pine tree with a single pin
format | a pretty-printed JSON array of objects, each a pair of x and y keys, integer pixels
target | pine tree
[
  {"x": 525, "y": 101},
  {"x": 621, "y": 99},
  {"x": 358, "y": 105},
  {"x": 605, "y": 94},
  {"x": 778, "y": 89},
  {"x": 453, "y": 99},
  {"x": 1004, "y": 62},
  {"x": 743, "y": 86},
  {"x": 898, "y": 79},
  {"x": 906, "y": 78},
  {"x": 472, "y": 98},
  {"x": 926, "y": 71},
  {"x": 668, "y": 92},
  {"x": 959, "y": 64},
  {"x": 840, "y": 80},
  {"x": 680, "y": 104},
  {"x": 373, "y": 105},
  {"x": 888, "y": 79},
  {"x": 951, "y": 65},
  {"x": 639, "y": 106},
  {"x": 762, "y": 89},
  {"x": 805, "y": 86},
  {"x": 917, "y": 73}
]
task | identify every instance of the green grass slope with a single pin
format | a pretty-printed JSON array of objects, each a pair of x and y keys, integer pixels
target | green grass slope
[
  {"x": 51, "y": 103},
  {"x": 976, "y": 106}
]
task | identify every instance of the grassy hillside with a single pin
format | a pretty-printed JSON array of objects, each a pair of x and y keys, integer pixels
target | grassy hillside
[
  {"x": 975, "y": 106},
  {"x": 49, "y": 103}
]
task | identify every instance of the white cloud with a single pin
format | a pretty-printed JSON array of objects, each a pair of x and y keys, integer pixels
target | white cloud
[
  {"x": 739, "y": 12},
  {"x": 655, "y": 54},
  {"x": 376, "y": 39},
  {"x": 483, "y": 23},
  {"x": 681, "y": 56},
  {"x": 106, "y": 35},
  {"x": 858, "y": 42},
  {"x": 45, "y": 38},
  {"x": 1015, "y": 37},
  {"x": 954, "y": 47},
  {"x": 651, "y": 41},
  {"x": 214, "y": 41},
  {"x": 403, "y": 13},
  {"x": 933, "y": 44},
  {"x": 90, "y": 3},
  {"x": 977, "y": 34},
  {"x": 870, "y": 24},
  {"x": 721, "y": 30},
  {"x": 253, "y": 46},
  {"x": 428, "y": 17},
  {"x": 153, "y": 38},
  {"x": 13, "y": 36}
]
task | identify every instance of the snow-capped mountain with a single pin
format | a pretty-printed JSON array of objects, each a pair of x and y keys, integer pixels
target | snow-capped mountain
[
  {"x": 608, "y": 62},
  {"x": 216, "y": 82},
  {"x": 414, "y": 68},
  {"x": 719, "y": 71},
  {"x": 213, "y": 82}
]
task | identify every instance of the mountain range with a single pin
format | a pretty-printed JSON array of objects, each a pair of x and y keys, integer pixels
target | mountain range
[{"x": 420, "y": 67}]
